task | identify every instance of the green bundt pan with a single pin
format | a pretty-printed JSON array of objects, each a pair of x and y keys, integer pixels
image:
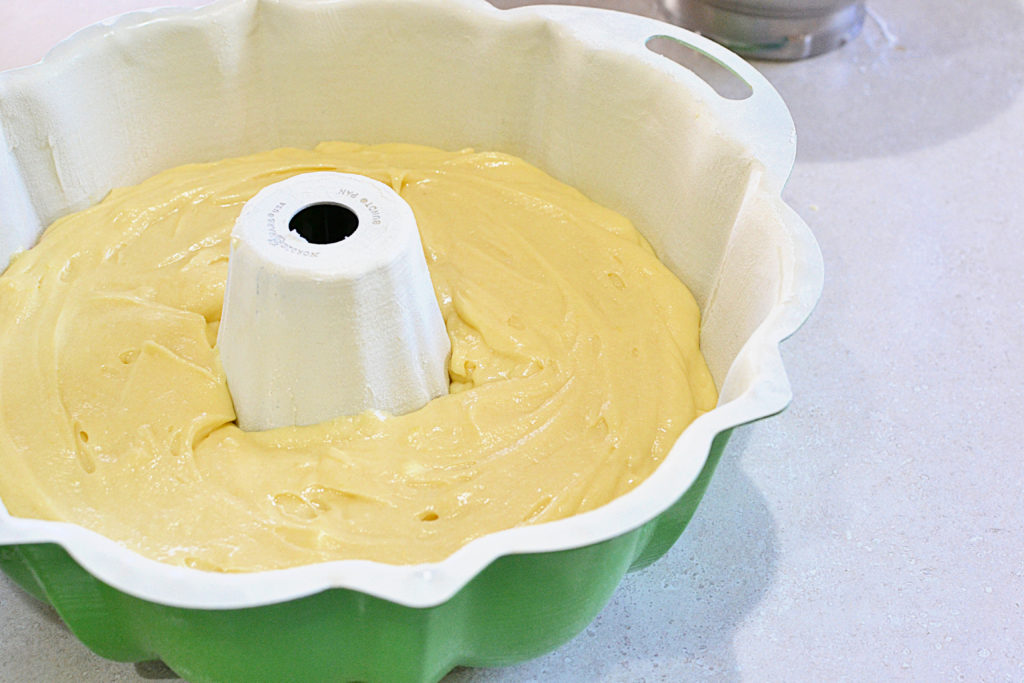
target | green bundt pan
[{"x": 573, "y": 90}]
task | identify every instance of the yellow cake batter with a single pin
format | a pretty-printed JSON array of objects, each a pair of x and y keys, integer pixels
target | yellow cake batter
[{"x": 574, "y": 368}]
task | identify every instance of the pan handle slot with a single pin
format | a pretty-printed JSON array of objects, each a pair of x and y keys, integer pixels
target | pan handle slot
[{"x": 726, "y": 82}]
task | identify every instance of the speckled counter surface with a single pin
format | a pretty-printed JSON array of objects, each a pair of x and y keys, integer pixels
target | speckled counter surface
[{"x": 873, "y": 530}]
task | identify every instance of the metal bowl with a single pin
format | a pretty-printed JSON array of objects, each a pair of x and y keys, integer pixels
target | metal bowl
[{"x": 773, "y": 29}]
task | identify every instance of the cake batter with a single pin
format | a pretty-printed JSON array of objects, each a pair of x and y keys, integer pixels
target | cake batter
[{"x": 575, "y": 366}]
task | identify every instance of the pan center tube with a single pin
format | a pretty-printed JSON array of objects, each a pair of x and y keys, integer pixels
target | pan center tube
[{"x": 329, "y": 309}]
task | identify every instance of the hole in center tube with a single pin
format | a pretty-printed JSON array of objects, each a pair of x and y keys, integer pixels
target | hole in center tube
[{"x": 324, "y": 223}]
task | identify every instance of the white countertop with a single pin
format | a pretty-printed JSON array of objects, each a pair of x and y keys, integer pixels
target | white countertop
[{"x": 874, "y": 529}]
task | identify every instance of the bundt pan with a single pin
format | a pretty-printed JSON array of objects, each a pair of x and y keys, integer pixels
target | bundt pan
[{"x": 573, "y": 90}]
